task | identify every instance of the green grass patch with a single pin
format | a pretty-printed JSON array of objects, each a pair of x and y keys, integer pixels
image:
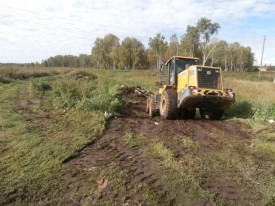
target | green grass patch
[
  {"x": 252, "y": 110},
  {"x": 42, "y": 86},
  {"x": 132, "y": 140},
  {"x": 36, "y": 139},
  {"x": 181, "y": 175},
  {"x": 187, "y": 143}
]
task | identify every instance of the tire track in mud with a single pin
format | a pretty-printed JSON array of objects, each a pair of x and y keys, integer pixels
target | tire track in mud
[{"x": 111, "y": 153}]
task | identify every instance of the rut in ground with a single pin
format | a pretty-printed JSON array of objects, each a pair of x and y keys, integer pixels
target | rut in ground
[{"x": 143, "y": 173}]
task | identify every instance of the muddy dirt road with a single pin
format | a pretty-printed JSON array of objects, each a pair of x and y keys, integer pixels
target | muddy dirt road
[{"x": 143, "y": 161}]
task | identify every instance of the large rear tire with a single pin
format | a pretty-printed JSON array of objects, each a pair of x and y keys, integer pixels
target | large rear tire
[{"x": 168, "y": 104}]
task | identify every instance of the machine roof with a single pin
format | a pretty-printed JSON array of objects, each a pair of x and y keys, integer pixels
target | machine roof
[{"x": 181, "y": 57}]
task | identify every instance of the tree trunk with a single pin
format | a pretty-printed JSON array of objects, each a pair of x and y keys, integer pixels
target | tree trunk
[
  {"x": 204, "y": 60},
  {"x": 114, "y": 65},
  {"x": 225, "y": 61},
  {"x": 212, "y": 61}
]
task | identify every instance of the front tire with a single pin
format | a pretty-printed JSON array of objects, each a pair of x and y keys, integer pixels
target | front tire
[{"x": 168, "y": 104}]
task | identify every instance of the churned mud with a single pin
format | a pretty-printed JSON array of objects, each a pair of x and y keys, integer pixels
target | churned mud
[{"x": 141, "y": 174}]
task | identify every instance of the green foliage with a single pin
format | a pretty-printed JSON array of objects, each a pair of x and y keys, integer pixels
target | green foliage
[
  {"x": 42, "y": 86},
  {"x": 186, "y": 175},
  {"x": 157, "y": 48},
  {"x": 27, "y": 75},
  {"x": 132, "y": 53},
  {"x": 5, "y": 80},
  {"x": 105, "y": 51},
  {"x": 84, "y": 75},
  {"x": 68, "y": 92},
  {"x": 173, "y": 47},
  {"x": 104, "y": 99},
  {"x": 271, "y": 202},
  {"x": 34, "y": 145},
  {"x": 83, "y": 60},
  {"x": 246, "y": 109},
  {"x": 240, "y": 109},
  {"x": 190, "y": 41},
  {"x": 160, "y": 151},
  {"x": 132, "y": 140},
  {"x": 263, "y": 111},
  {"x": 84, "y": 91}
]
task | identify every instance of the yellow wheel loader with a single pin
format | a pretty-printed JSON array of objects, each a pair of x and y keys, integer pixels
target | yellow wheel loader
[{"x": 190, "y": 86}]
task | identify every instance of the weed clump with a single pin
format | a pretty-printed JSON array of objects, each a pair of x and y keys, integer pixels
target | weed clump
[
  {"x": 85, "y": 91},
  {"x": 84, "y": 75},
  {"x": 43, "y": 86},
  {"x": 5, "y": 80},
  {"x": 256, "y": 111},
  {"x": 240, "y": 109}
]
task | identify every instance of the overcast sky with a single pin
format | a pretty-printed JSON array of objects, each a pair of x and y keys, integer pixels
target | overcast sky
[{"x": 33, "y": 30}]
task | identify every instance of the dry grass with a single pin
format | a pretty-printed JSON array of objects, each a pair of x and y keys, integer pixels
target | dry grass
[{"x": 252, "y": 91}]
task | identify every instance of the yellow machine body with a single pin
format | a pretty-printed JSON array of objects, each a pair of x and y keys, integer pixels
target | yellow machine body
[{"x": 190, "y": 86}]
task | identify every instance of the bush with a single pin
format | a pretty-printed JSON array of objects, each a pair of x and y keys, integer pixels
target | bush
[
  {"x": 105, "y": 98},
  {"x": 245, "y": 109},
  {"x": 263, "y": 111},
  {"x": 240, "y": 109},
  {"x": 42, "y": 86},
  {"x": 84, "y": 75},
  {"x": 85, "y": 91},
  {"x": 69, "y": 92},
  {"x": 5, "y": 81}
]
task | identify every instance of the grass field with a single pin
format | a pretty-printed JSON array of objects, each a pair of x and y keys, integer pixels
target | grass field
[{"x": 48, "y": 115}]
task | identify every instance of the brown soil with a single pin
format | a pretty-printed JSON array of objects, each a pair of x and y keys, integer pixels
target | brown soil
[{"x": 140, "y": 172}]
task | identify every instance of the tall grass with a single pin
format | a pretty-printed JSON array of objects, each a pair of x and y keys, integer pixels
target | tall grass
[
  {"x": 252, "y": 91},
  {"x": 251, "y": 76},
  {"x": 254, "y": 99},
  {"x": 86, "y": 91}
]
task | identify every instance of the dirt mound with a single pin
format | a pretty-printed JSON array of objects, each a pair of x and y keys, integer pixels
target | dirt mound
[
  {"x": 135, "y": 177},
  {"x": 133, "y": 101}
]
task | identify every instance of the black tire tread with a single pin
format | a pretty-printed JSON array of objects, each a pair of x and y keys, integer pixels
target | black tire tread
[{"x": 170, "y": 96}]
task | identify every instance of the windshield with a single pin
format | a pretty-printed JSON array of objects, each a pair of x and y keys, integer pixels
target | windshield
[{"x": 182, "y": 64}]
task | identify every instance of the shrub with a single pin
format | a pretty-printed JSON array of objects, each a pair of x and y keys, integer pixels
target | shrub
[
  {"x": 43, "y": 86},
  {"x": 105, "y": 98},
  {"x": 84, "y": 75},
  {"x": 84, "y": 91},
  {"x": 263, "y": 111},
  {"x": 5, "y": 81},
  {"x": 240, "y": 109},
  {"x": 68, "y": 92},
  {"x": 257, "y": 111}
]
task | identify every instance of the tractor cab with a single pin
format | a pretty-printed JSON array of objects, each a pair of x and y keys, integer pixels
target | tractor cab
[{"x": 177, "y": 64}]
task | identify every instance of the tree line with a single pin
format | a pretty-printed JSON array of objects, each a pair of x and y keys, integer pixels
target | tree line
[{"x": 199, "y": 40}]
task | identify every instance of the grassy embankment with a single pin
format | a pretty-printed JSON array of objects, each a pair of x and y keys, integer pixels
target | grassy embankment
[{"x": 48, "y": 115}]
